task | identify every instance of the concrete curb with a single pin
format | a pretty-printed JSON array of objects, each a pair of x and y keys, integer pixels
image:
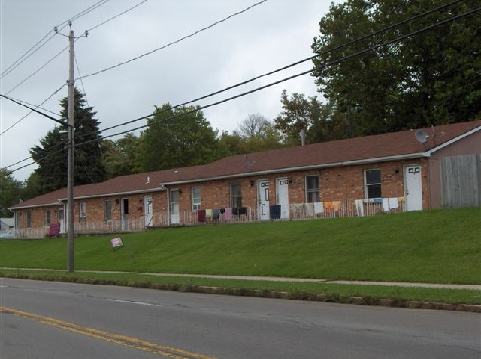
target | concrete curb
[{"x": 258, "y": 293}]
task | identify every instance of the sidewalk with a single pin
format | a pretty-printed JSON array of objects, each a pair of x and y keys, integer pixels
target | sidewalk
[
  {"x": 310, "y": 280},
  {"x": 281, "y": 279}
]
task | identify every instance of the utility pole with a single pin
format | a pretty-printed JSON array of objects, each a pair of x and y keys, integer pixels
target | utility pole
[{"x": 70, "y": 185}]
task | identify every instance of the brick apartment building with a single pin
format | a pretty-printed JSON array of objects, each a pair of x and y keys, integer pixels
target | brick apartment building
[{"x": 437, "y": 167}]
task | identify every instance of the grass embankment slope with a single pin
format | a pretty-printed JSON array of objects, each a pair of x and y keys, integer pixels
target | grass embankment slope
[{"x": 437, "y": 246}]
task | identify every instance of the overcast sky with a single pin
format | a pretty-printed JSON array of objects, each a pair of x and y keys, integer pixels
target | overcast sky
[{"x": 263, "y": 38}]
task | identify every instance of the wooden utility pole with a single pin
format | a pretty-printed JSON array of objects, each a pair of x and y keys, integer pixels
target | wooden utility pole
[{"x": 70, "y": 185}]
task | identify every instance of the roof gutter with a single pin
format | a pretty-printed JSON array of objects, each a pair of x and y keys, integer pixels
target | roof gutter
[
  {"x": 113, "y": 194},
  {"x": 36, "y": 205}
]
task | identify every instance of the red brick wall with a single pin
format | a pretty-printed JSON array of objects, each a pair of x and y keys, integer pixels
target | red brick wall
[{"x": 337, "y": 183}]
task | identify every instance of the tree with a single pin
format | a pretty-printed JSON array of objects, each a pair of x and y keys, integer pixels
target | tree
[
  {"x": 428, "y": 78},
  {"x": 32, "y": 187},
  {"x": 10, "y": 192},
  {"x": 254, "y": 126},
  {"x": 121, "y": 157},
  {"x": 51, "y": 155},
  {"x": 177, "y": 137},
  {"x": 300, "y": 114},
  {"x": 258, "y": 134}
]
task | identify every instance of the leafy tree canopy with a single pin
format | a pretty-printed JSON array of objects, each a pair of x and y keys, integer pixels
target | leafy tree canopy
[
  {"x": 429, "y": 78},
  {"x": 121, "y": 157},
  {"x": 10, "y": 192},
  {"x": 177, "y": 137}
]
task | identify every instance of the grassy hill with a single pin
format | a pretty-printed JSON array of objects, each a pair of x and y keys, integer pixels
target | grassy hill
[{"x": 438, "y": 246}]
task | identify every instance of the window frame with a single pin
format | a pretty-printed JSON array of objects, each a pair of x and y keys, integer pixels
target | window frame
[
  {"x": 48, "y": 217},
  {"x": 82, "y": 212},
  {"x": 107, "y": 210},
  {"x": 235, "y": 195},
  {"x": 314, "y": 191},
  {"x": 372, "y": 186},
  {"x": 28, "y": 219},
  {"x": 196, "y": 199}
]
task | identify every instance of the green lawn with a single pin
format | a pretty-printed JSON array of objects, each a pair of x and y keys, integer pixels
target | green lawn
[{"x": 438, "y": 246}]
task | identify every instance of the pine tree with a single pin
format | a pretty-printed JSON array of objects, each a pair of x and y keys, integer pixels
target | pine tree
[{"x": 51, "y": 154}]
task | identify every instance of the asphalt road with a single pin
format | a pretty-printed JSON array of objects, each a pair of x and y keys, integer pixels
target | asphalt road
[{"x": 64, "y": 320}]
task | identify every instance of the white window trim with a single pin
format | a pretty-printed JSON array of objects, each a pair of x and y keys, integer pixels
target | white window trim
[{"x": 196, "y": 201}]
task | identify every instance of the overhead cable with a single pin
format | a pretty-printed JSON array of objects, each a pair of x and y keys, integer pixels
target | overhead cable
[
  {"x": 34, "y": 106},
  {"x": 338, "y": 47},
  {"x": 42, "y": 43},
  {"x": 333, "y": 62},
  {"x": 173, "y": 42}
]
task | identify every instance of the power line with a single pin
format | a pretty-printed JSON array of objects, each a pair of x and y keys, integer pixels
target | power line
[
  {"x": 174, "y": 42},
  {"x": 35, "y": 72},
  {"x": 41, "y": 42},
  {"x": 116, "y": 16},
  {"x": 34, "y": 106},
  {"x": 33, "y": 109},
  {"x": 58, "y": 28},
  {"x": 124, "y": 12},
  {"x": 333, "y": 62},
  {"x": 338, "y": 47}
]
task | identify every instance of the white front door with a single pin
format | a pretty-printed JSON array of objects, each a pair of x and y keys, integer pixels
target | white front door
[
  {"x": 282, "y": 193},
  {"x": 148, "y": 211},
  {"x": 263, "y": 199},
  {"x": 413, "y": 188},
  {"x": 61, "y": 220},
  {"x": 174, "y": 206}
]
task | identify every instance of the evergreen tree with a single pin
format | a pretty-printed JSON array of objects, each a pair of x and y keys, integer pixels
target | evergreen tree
[{"x": 51, "y": 154}]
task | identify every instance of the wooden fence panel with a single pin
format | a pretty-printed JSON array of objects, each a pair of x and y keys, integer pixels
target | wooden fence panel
[{"x": 461, "y": 181}]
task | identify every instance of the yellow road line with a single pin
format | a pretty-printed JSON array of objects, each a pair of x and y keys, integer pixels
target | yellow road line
[{"x": 164, "y": 350}]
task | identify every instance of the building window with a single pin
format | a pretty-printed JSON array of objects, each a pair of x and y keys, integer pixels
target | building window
[
  {"x": 29, "y": 219},
  {"x": 372, "y": 183},
  {"x": 83, "y": 212},
  {"x": 47, "y": 217},
  {"x": 235, "y": 195},
  {"x": 196, "y": 200},
  {"x": 107, "y": 210},
  {"x": 312, "y": 189}
]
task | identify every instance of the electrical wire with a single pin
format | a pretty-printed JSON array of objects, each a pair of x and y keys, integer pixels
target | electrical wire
[
  {"x": 333, "y": 62},
  {"x": 116, "y": 16},
  {"x": 61, "y": 26},
  {"x": 174, "y": 42},
  {"x": 33, "y": 109},
  {"x": 338, "y": 47},
  {"x": 34, "y": 106},
  {"x": 40, "y": 43},
  {"x": 131, "y": 8}
]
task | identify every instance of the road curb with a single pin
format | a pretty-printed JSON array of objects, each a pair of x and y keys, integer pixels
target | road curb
[
  {"x": 260, "y": 293},
  {"x": 385, "y": 302}
]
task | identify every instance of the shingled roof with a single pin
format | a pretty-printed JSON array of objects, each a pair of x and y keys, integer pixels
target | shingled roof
[{"x": 390, "y": 146}]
